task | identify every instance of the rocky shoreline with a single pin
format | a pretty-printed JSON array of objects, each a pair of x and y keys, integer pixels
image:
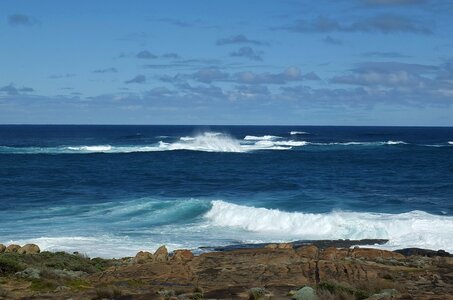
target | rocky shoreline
[{"x": 301, "y": 270}]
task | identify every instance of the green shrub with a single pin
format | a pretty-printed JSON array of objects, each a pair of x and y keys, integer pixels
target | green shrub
[
  {"x": 108, "y": 292},
  {"x": 256, "y": 293},
  {"x": 10, "y": 265}
]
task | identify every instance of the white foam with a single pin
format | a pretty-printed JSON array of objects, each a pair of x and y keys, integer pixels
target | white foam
[
  {"x": 450, "y": 142},
  {"x": 396, "y": 143},
  {"x": 100, "y": 148},
  {"x": 411, "y": 229},
  {"x": 208, "y": 142},
  {"x": 298, "y": 132},
  {"x": 105, "y": 246},
  {"x": 261, "y": 138}
]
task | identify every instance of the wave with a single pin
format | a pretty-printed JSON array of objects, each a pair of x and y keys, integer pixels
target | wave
[
  {"x": 117, "y": 229},
  {"x": 298, "y": 132},
  {"x": 261, "y": 138},
  {"x": 411, "y": 229},
  {"x": 206, "y": 142}
]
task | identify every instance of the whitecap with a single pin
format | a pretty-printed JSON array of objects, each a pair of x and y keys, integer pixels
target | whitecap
[{"x": 411, "y": 229}]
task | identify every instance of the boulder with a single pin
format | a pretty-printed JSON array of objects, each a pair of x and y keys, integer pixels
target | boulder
[
  {"x": 29, "y": 273},
  {"x": 161, "y": 254},
  {"x": 12, "y": 248},
  {"x": 29, "y": 249},
  {"x": 305, "y": 293},
  {"x": 182, "y": 255},
  {"x": 142, "y": 257},
  {"x": 2, "y": 248}
]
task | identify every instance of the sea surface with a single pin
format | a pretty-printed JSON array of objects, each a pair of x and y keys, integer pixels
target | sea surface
[{"x": 111, "y": 191}]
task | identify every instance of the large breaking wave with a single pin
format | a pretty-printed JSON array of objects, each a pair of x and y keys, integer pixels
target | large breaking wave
[
  {"x": 411, "y": 229},
  {"x": 147, "y": 223}
]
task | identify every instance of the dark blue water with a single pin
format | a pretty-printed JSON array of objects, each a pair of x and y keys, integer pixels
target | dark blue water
[{"x": 130, "y": 187}]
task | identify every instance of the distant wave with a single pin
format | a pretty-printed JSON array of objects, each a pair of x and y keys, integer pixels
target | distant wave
[
  {"x": 206, "y": 142},
  {"x": 411, "y": 229},
  {"x": 298, "y": 132},
  {"x": 261, "y": 138}
]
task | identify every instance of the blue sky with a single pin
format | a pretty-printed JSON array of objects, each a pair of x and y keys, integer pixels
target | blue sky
[{"x": 350, "y": 62}]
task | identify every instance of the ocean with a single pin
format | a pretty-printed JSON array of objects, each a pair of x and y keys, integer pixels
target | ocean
[{"x": 111, "y": 191}]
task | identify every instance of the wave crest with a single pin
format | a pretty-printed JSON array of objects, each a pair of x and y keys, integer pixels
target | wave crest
[{"x": 411, "y": 229}]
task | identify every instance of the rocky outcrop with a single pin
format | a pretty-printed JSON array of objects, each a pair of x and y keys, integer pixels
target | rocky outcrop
[
  {"x": 277, "y": 272},
  {"x": 12, "y": 248},
  {"x": 182, "y": 255},
  {"x": 161, "y": 254},
  {"x": 29, "y": 249},
  {"x": 2, "y": 248},
  {"x": 143, "y": 257}
]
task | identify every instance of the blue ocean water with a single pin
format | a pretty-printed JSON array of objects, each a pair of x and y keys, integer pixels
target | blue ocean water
[{"x": 113, "y": 190}]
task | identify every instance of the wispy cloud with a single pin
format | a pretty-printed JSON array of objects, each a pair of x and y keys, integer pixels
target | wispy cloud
[
  {"x": 332, "y": 41},
  {"x": 239, "y": 39},
  {"x": 247, "y": 52},
  {"x": 106, "y": 70},
  {"x": 145, "y": 54},
  {"x": 383, "y": 23},
  {"x": 12, "y": 90},
  {"x": 384, "y": 54},
  {"x": 21, "y": 20},
  {"x": 137, "y": 79}
]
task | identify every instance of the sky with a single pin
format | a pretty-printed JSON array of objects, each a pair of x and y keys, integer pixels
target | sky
[{"x": 281, "y": 62}]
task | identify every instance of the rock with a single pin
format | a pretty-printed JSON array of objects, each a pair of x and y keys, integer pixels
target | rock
[
  {"x": 182, "y": 255},
  {"x": 161, "y": 254},
  {"x": 29, "y": 273},
  {"x": 257, "y": 293},
  {"x": 374, "y": 254},
  {"x": 285, "y": 246},
  {"x": 310, "y": 252},
  {"x": 305, "y": 293},
  {"x": 332, "y": 253},
  {"x": 423, "y": 252},
  {"x": 12, "y": 248},
  {"x": 271, "y": 246},
  {"x": 62, "y": 288},
  {"x": 2, "y": 248},
  {"x": 142, "y": 257},
  {"x": 29, "y": 249},
  {"x": 384, "y": 294}
]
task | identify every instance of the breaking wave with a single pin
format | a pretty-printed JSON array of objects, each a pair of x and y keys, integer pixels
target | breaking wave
[
  {"x": 411, "y": 229},
  {"x": 298, "y": 132},
  {"x": 206, "y": 142}
]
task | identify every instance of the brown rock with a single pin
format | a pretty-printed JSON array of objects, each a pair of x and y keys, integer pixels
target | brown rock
[
  {"x": 2, "y": 248},
  {"x": 29, "y": 249},
  {"x": 12, "y": 248},
  {"x": 143, "y": 257},
  {"x": 271, "y": 246},
  {"x": 182, "y": 255},
  {"x": 310, "y": 252},
  {"x": 161, "y": 254},
  {"x": 332, "y": 253},
  {"x": 285, "y": 246},
  {"x": 373, "y": 254}
]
